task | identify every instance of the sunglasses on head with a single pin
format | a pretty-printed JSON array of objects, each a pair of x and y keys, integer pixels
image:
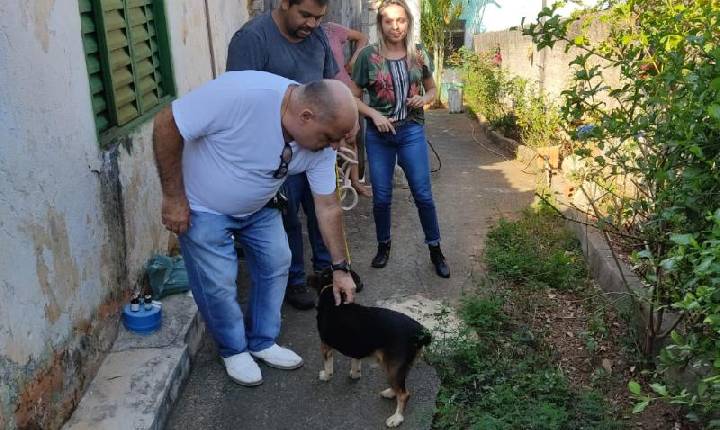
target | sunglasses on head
[{"x": 285, "y": 158}]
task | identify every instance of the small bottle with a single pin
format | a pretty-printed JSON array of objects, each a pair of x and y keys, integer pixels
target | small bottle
[
  {"x": 148, "y": 302},
  {"x": 135, "y": 304}
]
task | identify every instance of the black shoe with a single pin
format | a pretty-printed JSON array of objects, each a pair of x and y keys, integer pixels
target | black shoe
[
  {"x": 383, "y": 254},
  {"x": 438, "y": 260},
  {"x": 300, "y": 297}
]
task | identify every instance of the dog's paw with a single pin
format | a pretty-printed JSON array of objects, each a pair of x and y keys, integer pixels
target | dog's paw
[
  {"x": 324, "y": 376},
  {"x": 355, "y": 374},
  {"x": 394, "y": 420},
  {"x": 388, "y": 393}
]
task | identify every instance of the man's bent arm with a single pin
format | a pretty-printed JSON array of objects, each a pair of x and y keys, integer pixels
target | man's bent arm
[
  {"x": 168, "y": 148},
  {"x": 329, "y": 215}
]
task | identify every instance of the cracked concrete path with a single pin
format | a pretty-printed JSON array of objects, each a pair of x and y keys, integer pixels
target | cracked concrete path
[{"x": 474, "y": 188}]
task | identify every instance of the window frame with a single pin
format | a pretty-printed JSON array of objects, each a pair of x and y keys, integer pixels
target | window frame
[{"x": 164, "y": 67}]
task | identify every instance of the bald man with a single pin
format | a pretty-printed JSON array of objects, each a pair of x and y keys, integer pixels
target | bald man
[{"x": 222, "y": 152}]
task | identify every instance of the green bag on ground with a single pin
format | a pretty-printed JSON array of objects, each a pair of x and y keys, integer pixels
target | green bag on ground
[{"x": 167, "y": 275}]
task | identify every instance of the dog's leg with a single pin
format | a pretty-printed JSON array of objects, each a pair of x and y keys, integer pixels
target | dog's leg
[
  {"x": 327, "y": 354},
  {"x": 397, "y": 373},
  {"x": 388, "y": 393},
  {"x": 397, "y": 418},
  {"x": 355, "y": 368}
]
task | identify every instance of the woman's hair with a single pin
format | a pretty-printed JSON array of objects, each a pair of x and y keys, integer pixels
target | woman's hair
[{"x": 409, "y": 39}]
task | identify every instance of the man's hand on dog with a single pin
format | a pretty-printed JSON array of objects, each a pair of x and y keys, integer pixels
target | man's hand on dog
[{"x": 343, "y": 286}]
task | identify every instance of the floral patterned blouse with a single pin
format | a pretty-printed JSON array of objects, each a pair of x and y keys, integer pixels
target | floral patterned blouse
[{"x": 371, "y": 71}]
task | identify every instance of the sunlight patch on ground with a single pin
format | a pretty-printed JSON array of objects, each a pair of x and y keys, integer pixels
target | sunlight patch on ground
[
  {"x": 513, "y": 180},
  {"x": 436, "y": 316}
]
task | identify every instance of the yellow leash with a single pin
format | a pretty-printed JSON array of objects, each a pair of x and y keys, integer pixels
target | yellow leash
[{"x": 338, "y": 194}]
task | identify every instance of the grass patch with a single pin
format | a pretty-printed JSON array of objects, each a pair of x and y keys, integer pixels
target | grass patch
[
  {"x": 496, "y": 372},
  {"x": 536, "y": 251}
]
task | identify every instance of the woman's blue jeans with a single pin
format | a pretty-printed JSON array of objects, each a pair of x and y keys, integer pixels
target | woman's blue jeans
[
  {"x": 408, "y": 149},
  {"x": 209, "y": 254}
]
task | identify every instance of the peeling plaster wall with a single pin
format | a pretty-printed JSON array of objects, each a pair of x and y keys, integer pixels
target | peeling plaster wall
[
  {"x": 52, "y": 229},
  {"x": 76, "y": 223},
  {"x": 226, "y": 17},
  {"x": 189, "y": 43}
]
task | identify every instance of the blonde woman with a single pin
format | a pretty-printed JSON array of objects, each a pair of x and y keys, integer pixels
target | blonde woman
[{"x": 397, "y": 75}]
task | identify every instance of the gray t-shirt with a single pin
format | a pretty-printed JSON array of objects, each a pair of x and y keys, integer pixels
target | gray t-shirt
[{"x": 259, "y": 45}]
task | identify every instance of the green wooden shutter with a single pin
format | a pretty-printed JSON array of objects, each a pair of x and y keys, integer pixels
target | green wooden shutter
[
  {"x": 115, "y": 25},
  {"x": 94, "y": 67},
  {"x": 144, "y": 53},
  {"x": 127, "y": 55},
  {"x": 133, "y": 56}
]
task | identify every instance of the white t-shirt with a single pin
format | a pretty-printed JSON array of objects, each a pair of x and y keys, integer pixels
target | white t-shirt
[{"x": 233, "y": 142}]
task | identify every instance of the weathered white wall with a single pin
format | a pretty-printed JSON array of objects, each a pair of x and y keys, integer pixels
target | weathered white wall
[
  {"x": 76, "y": 223},
  {"x": 226, "y": 18},
  {"x": 52, "y": 232},
  {"x": 548, "y": 68}
]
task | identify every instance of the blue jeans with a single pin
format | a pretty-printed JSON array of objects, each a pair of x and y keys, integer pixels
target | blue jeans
[
  {"x": 408, "y": 148},
  {"x": 211, "y": 262},
  {"x": 297, "y": 190}
]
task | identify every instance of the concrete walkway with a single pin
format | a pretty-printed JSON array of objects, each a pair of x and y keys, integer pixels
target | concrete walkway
[{"x": 474, "y": 187}]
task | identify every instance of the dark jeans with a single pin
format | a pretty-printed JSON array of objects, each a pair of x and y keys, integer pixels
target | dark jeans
[
  {"x": 297, "y": 190},
  {"x": 408, "y": 148}
]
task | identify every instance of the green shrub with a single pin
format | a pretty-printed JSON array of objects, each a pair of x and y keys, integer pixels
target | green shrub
[
  {"x": 484, "y": 316},
  {"x": 493, "y": 378},
  {"x": 484, "y": 85},
  {"x": 648, "y": 96},
  {"x": 535, "y": 250},
  {"x": 511, "y": 105}
]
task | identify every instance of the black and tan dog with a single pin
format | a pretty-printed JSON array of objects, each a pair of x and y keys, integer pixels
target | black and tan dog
[{"x": 358, "y": 332}]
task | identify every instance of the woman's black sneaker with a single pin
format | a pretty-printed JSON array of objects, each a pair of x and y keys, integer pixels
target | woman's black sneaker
[
  {"x": 383, "y": 254},
  {"x": 438, "y": 260}
]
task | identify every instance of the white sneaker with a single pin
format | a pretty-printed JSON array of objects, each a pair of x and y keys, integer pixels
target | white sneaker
[
  {"x": 281, "y": 358},
  {"x": 243, "y": 369}
]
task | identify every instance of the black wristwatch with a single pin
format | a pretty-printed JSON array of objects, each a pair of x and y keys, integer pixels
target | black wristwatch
[{"x": 343, "y": 265}]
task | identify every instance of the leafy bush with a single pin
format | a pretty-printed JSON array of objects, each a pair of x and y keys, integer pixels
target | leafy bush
[
  {"x": 651, "y": 157},
  {"x": 484, "y": 85},
  {"x": 512, "y": 105}
]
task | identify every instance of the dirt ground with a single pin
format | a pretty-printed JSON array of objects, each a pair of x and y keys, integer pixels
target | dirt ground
[{"x": 595, "y": 349}]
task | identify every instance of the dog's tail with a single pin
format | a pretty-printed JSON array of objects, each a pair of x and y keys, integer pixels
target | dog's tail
[{"x": 423, "y": 338}]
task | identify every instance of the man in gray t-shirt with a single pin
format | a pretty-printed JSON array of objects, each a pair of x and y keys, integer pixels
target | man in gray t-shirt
[{"x": 289, "y": 42}]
